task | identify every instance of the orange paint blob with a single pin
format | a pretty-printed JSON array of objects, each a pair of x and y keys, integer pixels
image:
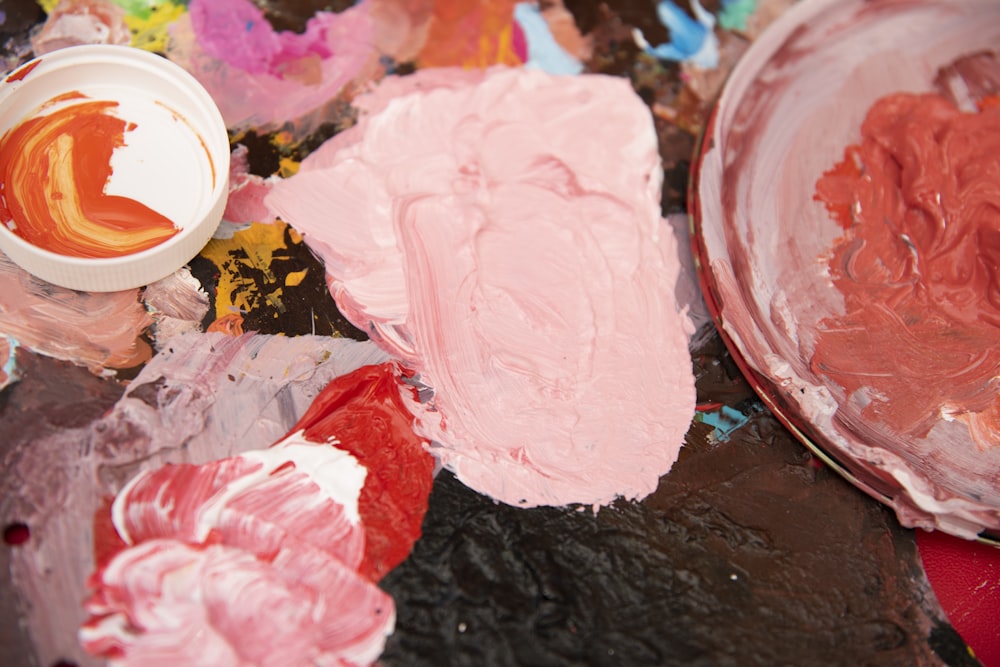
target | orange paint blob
[
  {"x": 53, "y": 173},
  {"x": 470, "y": 34}
]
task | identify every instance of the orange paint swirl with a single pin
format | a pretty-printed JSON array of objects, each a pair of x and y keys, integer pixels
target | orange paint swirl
[{"x": 53, "y": 173}]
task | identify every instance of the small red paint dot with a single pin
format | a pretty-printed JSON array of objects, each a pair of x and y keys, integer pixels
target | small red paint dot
[{"x": 16, "y": 534}]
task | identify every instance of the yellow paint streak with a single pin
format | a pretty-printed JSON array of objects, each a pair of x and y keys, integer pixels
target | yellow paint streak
[
  {"x": 295, "y": 278},
  {"x": 48, "y": 5},
  {"x": 150, "y": 33},
  {"x": 288, "y": 167},
  {"x": 258, "y": 243}
]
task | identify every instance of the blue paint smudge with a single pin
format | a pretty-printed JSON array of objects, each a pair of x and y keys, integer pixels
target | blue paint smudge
[
  {"x": 544, "y": 52},
  {"x": 692, "y": 40},
  {"x": 725, "y": 420},
  {"x": 3, "y": 17}
]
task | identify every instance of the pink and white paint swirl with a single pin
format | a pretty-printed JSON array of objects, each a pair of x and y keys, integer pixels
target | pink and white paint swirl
[{"x": 251, "y": 560}]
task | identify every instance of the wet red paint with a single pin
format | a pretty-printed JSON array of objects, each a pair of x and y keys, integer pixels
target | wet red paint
[
  {"x": 21, "y": 72},
  {"x": 16, "y": 534},
  {"x": 364, "y": 411},
  {"x": 107, "y": 542},
  {"x": 919, "y": 266},
  {"x": 54, "y": 169},
  {"x": 966, "y": 580}
]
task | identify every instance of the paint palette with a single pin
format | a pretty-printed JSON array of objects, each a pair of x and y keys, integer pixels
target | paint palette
[
  {"x": 114, "y": 167},
  {"x": 789, "y": 110}
]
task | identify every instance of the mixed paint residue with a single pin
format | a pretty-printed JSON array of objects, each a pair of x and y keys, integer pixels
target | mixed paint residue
[
  {"x": 919, "y": 267},
  {"x": 55, "y": 169},
  {"x": 204, "y": 397},
  {"x": 248, "y": 273},
  {"x": 263, "y": 78},
  {"x": 537, "y": 296},
  {"x": 76, "y": 22},
  {"x": 541, "y": 50},
  {"x": 101, "y": 21},
  {"x": 102, "y": 331},
  {"x": 472, "y": 34},
  {"x": 301, "y": 529},
  {"x": 211, "y": 547}
]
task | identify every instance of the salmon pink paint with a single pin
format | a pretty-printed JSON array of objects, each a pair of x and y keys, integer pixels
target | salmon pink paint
[
  {"x": 55, "y": 168},
  {"x": 919, "y": 267}
]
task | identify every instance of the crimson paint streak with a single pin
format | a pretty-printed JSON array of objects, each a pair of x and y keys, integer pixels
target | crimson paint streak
[{"x": 365, "y": 412}]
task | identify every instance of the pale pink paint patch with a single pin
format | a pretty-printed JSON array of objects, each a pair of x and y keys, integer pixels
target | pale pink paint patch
[
  {"x": 77, "y": 22},
  {"x": 501, "y": 233},
  {"x": 98, "y": 330},
  {"x": 264, "y": 79},
  {"x": 246, "y": 191},
  {"x": 178, "y": 304}
]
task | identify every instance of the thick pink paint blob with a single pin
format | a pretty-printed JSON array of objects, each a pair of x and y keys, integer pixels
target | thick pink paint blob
[{"x": 501, "y": 233}]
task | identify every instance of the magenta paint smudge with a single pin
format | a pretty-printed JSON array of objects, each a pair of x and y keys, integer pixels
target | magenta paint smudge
[{"x": 266, "y": 79}]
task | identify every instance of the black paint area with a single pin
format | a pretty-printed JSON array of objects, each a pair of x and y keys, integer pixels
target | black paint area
[
  {"x": 303, "y": 308},
  {"x": 749, "y": 553}
]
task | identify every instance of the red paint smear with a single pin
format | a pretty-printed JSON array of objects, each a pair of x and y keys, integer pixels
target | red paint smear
[
  {"x": 21, "y": 72},
  {"x": 107, "y": 542},
  {"x": 919, "y": 267},
  {"x": 54, "y": 171},
  {"x": 966, "y": 580},
  {"x": 364, "y": 412}
]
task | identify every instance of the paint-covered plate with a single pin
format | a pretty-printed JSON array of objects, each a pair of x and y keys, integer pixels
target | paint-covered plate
[
  {"x": 764, "y": 244},
  {"x": 114, "y": 167}
]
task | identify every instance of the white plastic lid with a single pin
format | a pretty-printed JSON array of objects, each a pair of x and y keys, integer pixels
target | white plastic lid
[{"x": 175, "y": 159}]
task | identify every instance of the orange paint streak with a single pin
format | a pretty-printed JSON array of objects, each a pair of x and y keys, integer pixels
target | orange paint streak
[
  {"x": 53, "y": 172},
  {"x": 468, "y": 34},
  {"x": 231, "y": 325},
  {"x": 21, "y": 72}
]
